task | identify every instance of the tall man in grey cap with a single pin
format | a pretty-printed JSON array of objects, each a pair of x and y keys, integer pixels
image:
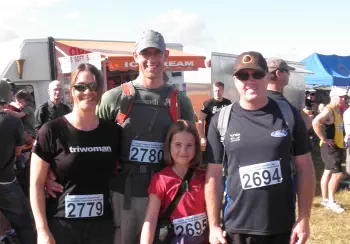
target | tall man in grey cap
[
  {"x": 144, "y": 127},
  {"x": 259, "y": 184},
  {"x": 279, "y": 72}
]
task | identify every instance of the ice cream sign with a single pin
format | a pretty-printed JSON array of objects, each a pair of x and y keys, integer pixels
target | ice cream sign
[
  {"x": 129, "y": 64},
  {"x": 168, "y": 64}
]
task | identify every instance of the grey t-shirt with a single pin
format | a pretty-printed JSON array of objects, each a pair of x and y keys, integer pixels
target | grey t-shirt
[{"x": 11, "y": 131}]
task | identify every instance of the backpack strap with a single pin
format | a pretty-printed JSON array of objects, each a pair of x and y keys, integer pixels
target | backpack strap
[
  {"x": 126, "y": 101},
  {"x": 288, "y": 117},
  {"x": 287, "y": 114},
  {"x": 224, "y": 116},
  {"x": 174, "y": 108}
]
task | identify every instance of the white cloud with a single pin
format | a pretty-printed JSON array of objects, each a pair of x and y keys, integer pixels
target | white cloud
[
  {"x": 72, "y": 15},
  {"x": 19, "y": 9},
  {"x": 23, "y": 10},
  {"x": 7, "y": 35},
  {"x": 190, "y": 30},
  {"x": 33, "y": 19},
  {"x": 185, "y": 28},
  {"x": 8, "y": 49},
  {"x": 16, "y": 8}
]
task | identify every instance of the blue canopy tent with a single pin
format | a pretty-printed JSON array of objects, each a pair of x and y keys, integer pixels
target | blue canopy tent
[{"x": 329, "y": 70}]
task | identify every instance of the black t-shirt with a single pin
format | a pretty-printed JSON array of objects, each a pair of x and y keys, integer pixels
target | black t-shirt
[
  {"x": 49, "y": 111},
  {"x": 278, "y": 96},
  {"x": 275, "y": 95},
  {"x": 11, "y": 133},
  {"x": 259, "y": 184},
  {"x": 211, "y": 107},
  {"x": 82, "y": 161}
]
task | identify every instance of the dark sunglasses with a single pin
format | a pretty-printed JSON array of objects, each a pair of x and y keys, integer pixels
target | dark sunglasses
[
  {"x": 81, "y": 87},
  {"x": 245, "y": 76}
]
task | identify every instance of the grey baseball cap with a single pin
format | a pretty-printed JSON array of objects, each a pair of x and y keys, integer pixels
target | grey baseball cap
[
  {"x": 150, "y": 38},
  {"x": 276, "y": 63}
]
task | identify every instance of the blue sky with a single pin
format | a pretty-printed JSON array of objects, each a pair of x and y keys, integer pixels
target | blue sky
[{"x": 290, "y": 29}]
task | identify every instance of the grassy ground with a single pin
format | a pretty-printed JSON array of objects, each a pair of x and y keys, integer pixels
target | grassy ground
[{"x": 328, "y": 227}]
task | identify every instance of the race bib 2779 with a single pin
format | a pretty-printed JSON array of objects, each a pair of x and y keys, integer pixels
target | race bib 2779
[{"x": 83, "y": 206}]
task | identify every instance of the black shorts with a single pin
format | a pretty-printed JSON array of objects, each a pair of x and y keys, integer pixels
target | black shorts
[
  {"x": 235, "y": 238},
  {"x": 75, "y": 231},
  {"x": 332, "y": 157}
]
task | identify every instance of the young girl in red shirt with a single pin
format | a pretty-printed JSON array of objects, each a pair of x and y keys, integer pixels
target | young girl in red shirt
[{"x": 181, "y": 152}]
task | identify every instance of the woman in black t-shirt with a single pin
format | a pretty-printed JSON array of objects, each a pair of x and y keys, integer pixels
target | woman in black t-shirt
[{"x": 82, "y": 151}]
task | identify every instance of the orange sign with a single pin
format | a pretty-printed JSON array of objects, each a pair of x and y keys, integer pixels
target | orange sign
[
  {"x": 174, "y": 63},
  {"x": 119, "y": 54}
]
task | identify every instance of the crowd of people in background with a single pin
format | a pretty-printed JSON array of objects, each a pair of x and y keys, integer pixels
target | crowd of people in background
[{"x": 126, "y": 166}]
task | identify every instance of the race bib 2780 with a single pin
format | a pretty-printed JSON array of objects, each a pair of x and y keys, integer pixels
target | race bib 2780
[
  {"x": 146, "y": 151},
  {"x": 260, "y": 175}
]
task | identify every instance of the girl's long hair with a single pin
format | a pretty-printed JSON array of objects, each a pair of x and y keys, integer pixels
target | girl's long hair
[{"x": 180, "y": 126}]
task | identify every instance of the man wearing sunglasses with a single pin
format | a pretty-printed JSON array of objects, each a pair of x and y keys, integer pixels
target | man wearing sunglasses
[
  {"x": 255, "y": 158},
  {"x": 143, "y": 132}
]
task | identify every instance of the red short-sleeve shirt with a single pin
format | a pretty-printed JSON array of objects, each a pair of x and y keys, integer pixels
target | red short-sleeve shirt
[{"x": 165, "y": 185}]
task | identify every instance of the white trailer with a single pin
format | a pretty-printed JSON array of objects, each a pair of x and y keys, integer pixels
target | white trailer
[{"x": 37, "y": 63}]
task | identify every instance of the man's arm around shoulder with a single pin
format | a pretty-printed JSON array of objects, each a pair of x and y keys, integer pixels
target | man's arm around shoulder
[{"x": 109, "y": 105}]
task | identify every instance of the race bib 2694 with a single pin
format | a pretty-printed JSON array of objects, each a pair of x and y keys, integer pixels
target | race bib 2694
[{"x": 260, "y": 175}]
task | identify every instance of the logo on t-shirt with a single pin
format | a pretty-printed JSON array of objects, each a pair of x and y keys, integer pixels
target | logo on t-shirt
[
  {"x": 90, "y": 149},
  {"x": 235, "y": 137},
  {"x": 279, "y": 133}
]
